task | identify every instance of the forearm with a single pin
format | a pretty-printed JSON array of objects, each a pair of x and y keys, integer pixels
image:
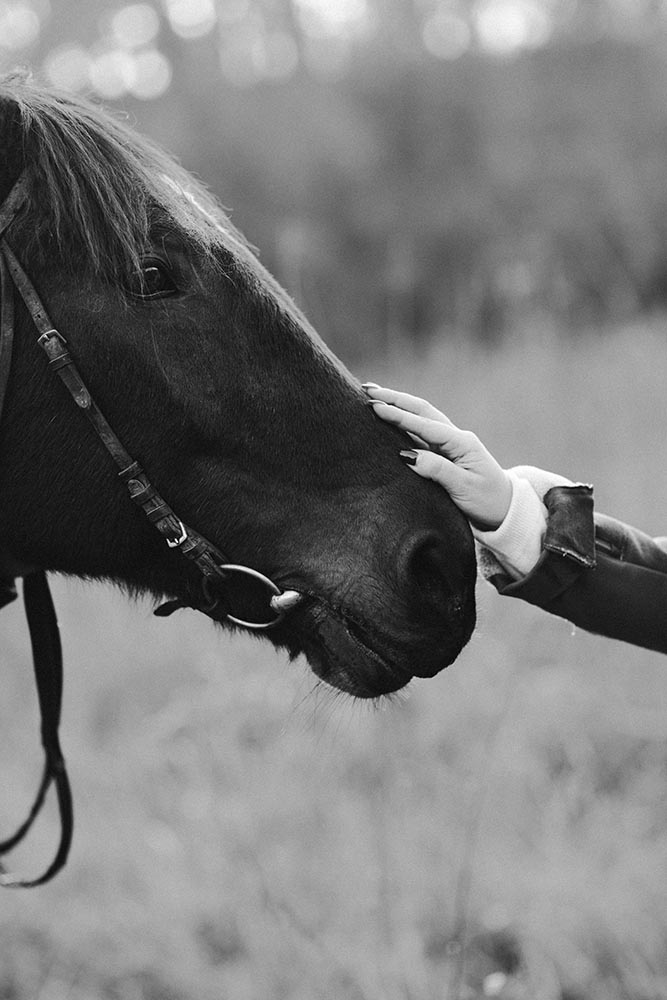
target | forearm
[
  {"x": 616, "y": 599},
  {"x": 596, "y": 572}
]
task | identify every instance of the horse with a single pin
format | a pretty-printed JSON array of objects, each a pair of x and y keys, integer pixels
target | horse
[{"x": 225, "y": 399}]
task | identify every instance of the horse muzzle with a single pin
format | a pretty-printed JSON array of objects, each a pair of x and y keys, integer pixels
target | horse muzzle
[{"x": 367, "y": 661}]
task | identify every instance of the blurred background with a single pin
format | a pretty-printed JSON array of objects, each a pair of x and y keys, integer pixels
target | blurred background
[
  {"x": 405, "y": 166},
  {"x": 469, "y": 199}
]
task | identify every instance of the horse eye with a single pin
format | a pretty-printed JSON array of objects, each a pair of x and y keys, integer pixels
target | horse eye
[{"x": 153, "y": 280}]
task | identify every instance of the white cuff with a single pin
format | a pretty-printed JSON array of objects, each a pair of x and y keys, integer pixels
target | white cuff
[
  {"x": 517, "y": 543},
  {"x": 541, "y": 480}
]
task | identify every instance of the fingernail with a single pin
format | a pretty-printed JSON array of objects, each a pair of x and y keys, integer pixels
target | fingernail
[
  {"x": 369, "y": 385},
  {"x": 372, "y": 402},
  {"x": 409, "y": 456}
]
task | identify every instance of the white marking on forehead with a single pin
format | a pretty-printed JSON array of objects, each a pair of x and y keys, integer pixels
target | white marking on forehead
[
  {"x": 202, "y": 211},
  {"x": 243, "y": 250},
  {"x": 228, "y": 233},
  {"x": 189, "y": 197}
]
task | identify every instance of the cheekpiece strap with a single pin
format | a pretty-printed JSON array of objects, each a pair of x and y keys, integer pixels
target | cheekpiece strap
[{"x": 13, "y": 203}]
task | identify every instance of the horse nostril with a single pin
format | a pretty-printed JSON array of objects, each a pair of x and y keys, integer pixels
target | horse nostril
[{"x": 427, "y": 571}]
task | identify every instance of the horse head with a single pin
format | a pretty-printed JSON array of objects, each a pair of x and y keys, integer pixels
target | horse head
[{"x": 246, "y": 423}]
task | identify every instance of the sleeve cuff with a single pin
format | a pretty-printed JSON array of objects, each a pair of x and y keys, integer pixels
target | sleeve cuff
[{"x": 517, "y": 543}]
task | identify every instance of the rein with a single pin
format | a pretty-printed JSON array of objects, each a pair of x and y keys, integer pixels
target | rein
[{"x": 215, "y": 569}]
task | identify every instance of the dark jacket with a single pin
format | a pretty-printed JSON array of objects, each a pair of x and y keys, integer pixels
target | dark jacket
[{"x": 596, "y": 572}]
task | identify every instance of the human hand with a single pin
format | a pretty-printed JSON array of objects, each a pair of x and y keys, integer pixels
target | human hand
[{"x": 455, "y": 459}]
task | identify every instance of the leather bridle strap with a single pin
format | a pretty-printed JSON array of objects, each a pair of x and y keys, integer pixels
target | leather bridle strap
[
  {"x": 54, "y": 346},
  {"x": 210, "y": 561},
  {"x": 48, "y": 664},
  {"x": 42, "y": 621},
  {"x": 6, "y": 329},
  {"x": 8, "y": 211},
  {"x": 42, "y": 625}
]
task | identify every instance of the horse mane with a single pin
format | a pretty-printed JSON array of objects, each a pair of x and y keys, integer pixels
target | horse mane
[{"x": 99, "y": 185}]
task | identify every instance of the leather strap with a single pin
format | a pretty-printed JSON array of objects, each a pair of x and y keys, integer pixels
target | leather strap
[
  {"x": 42, "y": 622},
  {"x": 206, "y": 556},
  {"x": 13, "y": 203},
  {"x": 48, "y": 664},
  {"x": 6, "y": 326},
  {"x": 214, "y": 566},
  {"x": 8, "y": 212}
]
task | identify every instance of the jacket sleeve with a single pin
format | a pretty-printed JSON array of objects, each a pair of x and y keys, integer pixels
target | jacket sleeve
[{"x": 596, "y": 572}]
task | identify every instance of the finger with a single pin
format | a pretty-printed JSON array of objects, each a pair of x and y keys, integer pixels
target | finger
[
  {"x": 443, "y": 435},
  {"x": 438, "y": 469},
  {"x": 418, "y": 441},
  {"x": 403, "y": 400}
]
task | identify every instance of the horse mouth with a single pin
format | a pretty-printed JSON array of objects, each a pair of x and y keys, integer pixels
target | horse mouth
[
  {"x": 354, "y": 658},
  {"x": 366, "y": 674}
]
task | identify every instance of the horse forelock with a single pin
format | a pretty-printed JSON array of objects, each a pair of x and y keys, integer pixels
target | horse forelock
[
  {"x": 97, "y": 185},
  {"x": 98, "y": 188}
]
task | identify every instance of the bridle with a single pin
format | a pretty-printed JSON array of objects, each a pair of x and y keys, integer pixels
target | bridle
[
  {"x": 216, "y": 571},
  {"x": 209, "y": 560}
]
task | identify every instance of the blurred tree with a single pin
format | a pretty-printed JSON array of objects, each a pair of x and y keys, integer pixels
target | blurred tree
[{"x": 404, "y": 165}]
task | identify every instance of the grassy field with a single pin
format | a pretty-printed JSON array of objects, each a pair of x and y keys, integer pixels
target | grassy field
[{"x": 500, "y": 830}]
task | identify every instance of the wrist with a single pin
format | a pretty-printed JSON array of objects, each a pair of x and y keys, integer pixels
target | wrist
[
  {"x": 498, "y": 506},
  {"x": 517, "y": 541}
]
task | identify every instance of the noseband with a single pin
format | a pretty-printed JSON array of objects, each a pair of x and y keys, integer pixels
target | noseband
[{"x": 216, "y": 571}]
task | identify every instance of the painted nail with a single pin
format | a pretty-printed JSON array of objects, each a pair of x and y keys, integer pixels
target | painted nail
[{"x": 409, "y": 457}]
